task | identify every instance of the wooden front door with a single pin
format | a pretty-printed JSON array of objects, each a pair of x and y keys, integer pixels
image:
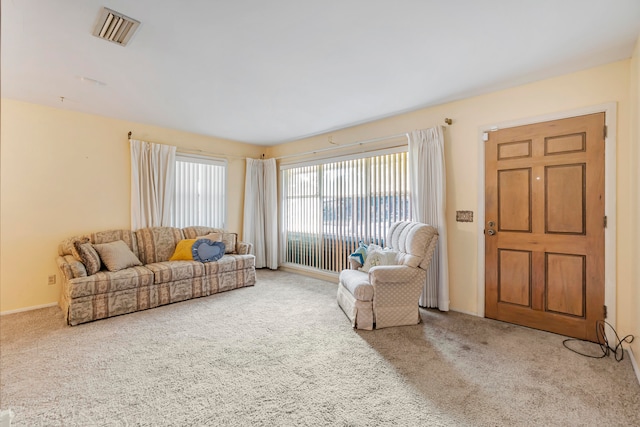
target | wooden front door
[{"x": 544, "y": 230}]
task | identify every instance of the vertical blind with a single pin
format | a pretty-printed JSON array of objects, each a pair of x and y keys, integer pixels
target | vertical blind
[
  {"x": 329, "y": 208},
  {"x": 200, "y": 197}
]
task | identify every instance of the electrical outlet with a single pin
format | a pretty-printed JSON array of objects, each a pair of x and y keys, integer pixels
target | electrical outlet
[{"x": 52, "y": 279}]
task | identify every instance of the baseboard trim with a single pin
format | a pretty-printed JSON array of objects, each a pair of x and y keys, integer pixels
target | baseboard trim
[
  {"x": 310, "y": 272},
  {"x": 636, "y": 369},
  {"x": 35, "y": 307},
  {"x": 465, "y": 312}
]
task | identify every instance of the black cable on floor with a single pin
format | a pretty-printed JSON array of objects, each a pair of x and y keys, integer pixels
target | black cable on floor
[{"x": 603, "y": 342}]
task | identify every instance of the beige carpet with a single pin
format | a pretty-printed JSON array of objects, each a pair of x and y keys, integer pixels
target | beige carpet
[{"x": 282, "y": 353}]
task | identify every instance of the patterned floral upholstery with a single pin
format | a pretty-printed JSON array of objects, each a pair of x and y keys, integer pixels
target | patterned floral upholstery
[
  {"x": 85, "y": 298},
  {"x": 193, "y": 232},
  {"x": 157, "y": 244},
  {"x": 106, "y": 281},
  {"x": 388, "y": 295},
  {"x": 242, "y": 248},
  {"x": 168, "y": 271},
  {"x": 66, "y": 246},
  {"x": 109, "y": 236}
]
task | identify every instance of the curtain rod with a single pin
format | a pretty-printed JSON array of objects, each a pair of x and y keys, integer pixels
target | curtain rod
[
  {"x": 320, "y": 150},
  {"x": 197, "y": 151},
  {"x": 447, "y": 121},
  {"x": 337, "y": 147},
  {"x": 208, "y": 153}
]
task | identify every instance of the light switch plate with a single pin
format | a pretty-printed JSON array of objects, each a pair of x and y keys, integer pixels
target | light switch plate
[{"x": 464, "y": 216}]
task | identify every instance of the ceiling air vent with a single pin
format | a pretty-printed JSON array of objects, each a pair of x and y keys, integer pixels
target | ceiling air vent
[{"x": 115, "y": 27}]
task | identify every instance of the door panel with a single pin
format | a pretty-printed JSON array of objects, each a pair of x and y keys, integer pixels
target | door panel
[
  {"x": 566, "y": 284},
  {"x": 563, "y": 144},
  {"x": 565, "y": 199},
  {"x": 515, "y": 274},
  {"x": 514, "y": 200},
  {"x": 544, "y": 244},
  {"x": 514, "y": 150}
]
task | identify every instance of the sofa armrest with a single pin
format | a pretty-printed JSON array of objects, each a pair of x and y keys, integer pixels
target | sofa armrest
[
  {"x": 70, "y": 268},
  {"x": 244, "y": 248}
]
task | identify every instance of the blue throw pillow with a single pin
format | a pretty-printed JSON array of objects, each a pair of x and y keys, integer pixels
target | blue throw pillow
[
  {"x": 360, "y": 254},
  {"x": 205, "y": 250}
]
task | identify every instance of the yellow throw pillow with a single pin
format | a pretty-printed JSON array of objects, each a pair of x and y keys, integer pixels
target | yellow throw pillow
[{"x": 183, "y": 251}]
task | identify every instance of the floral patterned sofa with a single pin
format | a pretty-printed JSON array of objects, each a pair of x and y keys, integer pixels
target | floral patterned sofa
[{"x": 151, "y": 279}]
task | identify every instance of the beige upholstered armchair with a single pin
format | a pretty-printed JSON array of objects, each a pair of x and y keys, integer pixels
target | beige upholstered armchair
[{"x": 387, "y": 295}]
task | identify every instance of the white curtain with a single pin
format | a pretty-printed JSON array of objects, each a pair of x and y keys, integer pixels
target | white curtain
[
  {"x": 428, "y": 189},
  {"x": 152, "y": 183},
  {"x": 260, "y": 211}
]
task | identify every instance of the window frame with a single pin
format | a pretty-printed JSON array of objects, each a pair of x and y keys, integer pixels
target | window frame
[
  {"x": 204, "y": 160},
  {"x": 403, "y": 148}
]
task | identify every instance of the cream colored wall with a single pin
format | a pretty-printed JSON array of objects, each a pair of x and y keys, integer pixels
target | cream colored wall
[
  {"x": 65, "y": 173},
  {"x": 570, "y": 92},
  {"x": 634, "y": 194}
]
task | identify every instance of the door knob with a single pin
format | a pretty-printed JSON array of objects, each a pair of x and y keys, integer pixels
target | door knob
[{"x": 491, "y": 232}]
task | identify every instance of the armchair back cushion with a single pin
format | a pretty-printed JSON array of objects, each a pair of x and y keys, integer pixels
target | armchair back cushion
[{"x": 413, "y": 241}]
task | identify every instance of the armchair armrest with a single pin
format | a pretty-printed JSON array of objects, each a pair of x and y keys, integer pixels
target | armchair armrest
[
  {"x": 394, "y": 274},
  {"x": 396, "y": 284},
  {"x": 396, "y": 293}
]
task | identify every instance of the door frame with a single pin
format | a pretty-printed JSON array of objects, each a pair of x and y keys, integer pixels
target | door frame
[{"x": 610, "y": 110}]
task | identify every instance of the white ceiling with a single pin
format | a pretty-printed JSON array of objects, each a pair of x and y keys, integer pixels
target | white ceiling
[{"x": 266, "y": 72}]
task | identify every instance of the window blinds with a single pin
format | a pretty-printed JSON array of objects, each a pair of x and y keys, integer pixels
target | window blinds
[
  {"x": 329, "y": 208},
  {"x": 200, "y": 197}
]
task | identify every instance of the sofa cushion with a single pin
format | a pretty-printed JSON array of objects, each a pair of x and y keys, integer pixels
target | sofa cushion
[
  {"x": 88, "y": 256},
  {"x": 74, "y": 246},
  {"x": 116, "y": 255},
  {"x": 169, "y": 271},
  {"x": 229, "y": 263},
  {"x": 157, "y": 244},
  {"x": 107, "y": 281},
  {"x": 66, "y": 246},
  {"x": 229, "y": 240},
  {"x": 357, "y": 283},
  {"x": 195, "y": 231},
  {"x": 126, "y": 236}
]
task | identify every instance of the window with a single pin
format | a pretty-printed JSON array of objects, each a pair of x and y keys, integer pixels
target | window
[
  {"x": 329, "y": 208},
  {"x": 200, "y": 197}
]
